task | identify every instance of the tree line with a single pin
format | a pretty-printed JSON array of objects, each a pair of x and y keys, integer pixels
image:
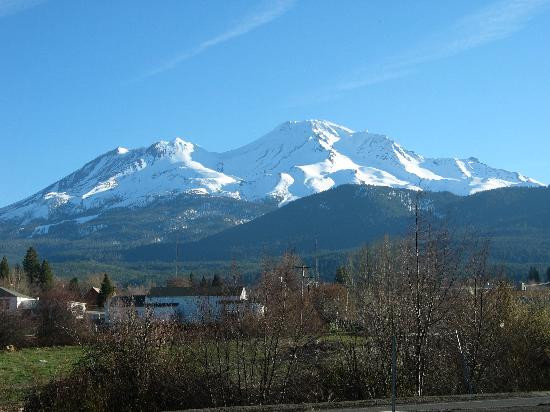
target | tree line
[
  {"x": 535, "y": 277},
  {"x": 39, "y": 275}
]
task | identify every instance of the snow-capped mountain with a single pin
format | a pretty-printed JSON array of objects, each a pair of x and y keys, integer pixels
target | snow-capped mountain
[{"x": 294, "y": 160}]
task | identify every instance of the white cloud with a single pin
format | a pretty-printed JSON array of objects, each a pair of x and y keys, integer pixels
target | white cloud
[
  {"x": 492, "y": 23},
  {"x": 9, "y": 7},
  {"x": 495, "y": 22},
  {"x": 250, "y": 22}
]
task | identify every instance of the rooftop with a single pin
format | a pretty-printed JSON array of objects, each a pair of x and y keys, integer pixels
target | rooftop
[
  {"x": 9, "y": 293},
  {"x": 197, "y": 291},
  {"x": 137, "y": 301}
]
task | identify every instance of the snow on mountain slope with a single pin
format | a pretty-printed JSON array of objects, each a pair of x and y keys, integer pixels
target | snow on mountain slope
[{"x": 294, "y": 160}]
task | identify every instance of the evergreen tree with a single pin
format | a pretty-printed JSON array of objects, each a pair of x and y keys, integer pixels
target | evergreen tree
[
  {"x": 548, "y": 274},
  {"x": 107, "y": 289},
  {"x": 31, "y": 266},
  {"x": 191, "y": 279},
  {"x": 73, "y": 285},
  {"x": 203, "y": 282},
  {"x": 4, "y": 269},
  {"x": 46, "y": 276},
  {"x": 533, "y": 276},
  {"x": 235, "y": 273},
  {"x": 216, "y": 281},
  {"x": 341, "y": 276}
]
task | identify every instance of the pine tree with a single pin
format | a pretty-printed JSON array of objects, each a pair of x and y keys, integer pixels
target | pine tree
[
  {"x": 191, "y": 279},
  {"x": 106, "y": 291},
  {"x": 73, "y": 285},
  {"x": 548, "y": 274},
  {"x": 31, "y": 266},
  {"x": 4, "y": 269},
  {"x": 203, "y": 282},
  {"x": 46, "y": 276},
  {"x": 235, "y": 273},
  {"x": 341, "y": 276},
  {"x": 216, "y": 281},
  {"x": 533, "y": 276}
]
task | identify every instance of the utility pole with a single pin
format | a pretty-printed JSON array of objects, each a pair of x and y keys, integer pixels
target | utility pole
[
  {"x": 316, "y": 263},
  {"x": 177, "y": 255},
  {"x": 465, "y": 365},
  {"x": 304, "y": 268},
  {"x": 393, "y": 372},
  {"x": 391, "y": 290}
]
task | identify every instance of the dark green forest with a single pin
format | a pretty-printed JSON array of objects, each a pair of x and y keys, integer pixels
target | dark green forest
[{"x": 204, "y": 235}]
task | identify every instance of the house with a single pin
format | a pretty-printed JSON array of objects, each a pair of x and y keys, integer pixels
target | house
[
  {"x": 12, "y": 300},
  {"x": 533, "y": 286},
  {"x": 91, "y": 296},
  {"x": 189, "y": 304},
  {"x": 534, "y": 293},
  {"x": 118, "y": 307},
  {"x": 195, "y": 304}
]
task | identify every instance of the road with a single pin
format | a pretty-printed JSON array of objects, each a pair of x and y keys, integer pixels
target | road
[
  {"x": 523, "y": 404},
  {"x": 520, "y": 402}
]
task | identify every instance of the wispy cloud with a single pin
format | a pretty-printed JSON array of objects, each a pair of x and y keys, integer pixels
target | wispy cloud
[
  {"x": 9, "y": 7},
  {"x": 271, "y": 11},
  {"x": 492, "y": 23}
]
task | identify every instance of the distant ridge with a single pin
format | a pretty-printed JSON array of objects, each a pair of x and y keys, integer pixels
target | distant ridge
[{"x": 516, "y": 221}]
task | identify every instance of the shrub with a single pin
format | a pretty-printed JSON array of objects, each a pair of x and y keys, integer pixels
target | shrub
[
  {"x": 14, "y": 328},
  {"x": 56, "y": 323}
]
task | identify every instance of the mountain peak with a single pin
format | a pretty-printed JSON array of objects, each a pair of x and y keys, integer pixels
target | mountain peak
[
  {"x": 316, "y": 124},
  {"x": 296, "y": 159},
  {"x": 170, "y": 148}
]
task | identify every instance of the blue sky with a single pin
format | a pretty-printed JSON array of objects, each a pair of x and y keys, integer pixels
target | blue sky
[{"x": 79, "y": 78}]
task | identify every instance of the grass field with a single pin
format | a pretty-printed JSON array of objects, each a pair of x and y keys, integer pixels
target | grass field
[{"x": 25, "y": 368}]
